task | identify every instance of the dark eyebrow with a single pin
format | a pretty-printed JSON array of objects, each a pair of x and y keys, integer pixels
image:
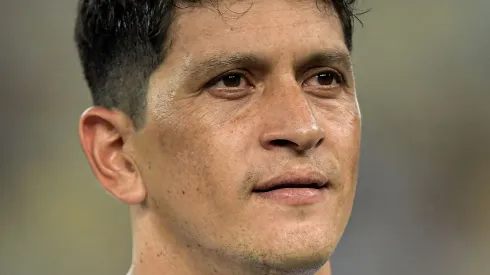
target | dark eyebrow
[
  {"x": 226, "y": 61},
  {"x": 327, "y": 58}
]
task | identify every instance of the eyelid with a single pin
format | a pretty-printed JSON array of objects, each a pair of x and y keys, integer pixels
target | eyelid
[
  {"x": 248, "y": 76},
  {"x": 316, "y": 71},
  {"x": 216, "y": 79}
]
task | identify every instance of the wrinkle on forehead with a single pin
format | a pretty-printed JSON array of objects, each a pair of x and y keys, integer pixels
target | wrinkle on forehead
[
  {"x": 233, "y": 13},
  {"x": 267, "y": 24}
]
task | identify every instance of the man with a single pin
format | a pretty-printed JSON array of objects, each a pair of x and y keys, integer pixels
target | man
[{"x": 231, "y": 128}]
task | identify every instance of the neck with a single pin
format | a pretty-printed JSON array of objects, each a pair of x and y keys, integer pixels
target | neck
[{"x": 157, "y": 253}]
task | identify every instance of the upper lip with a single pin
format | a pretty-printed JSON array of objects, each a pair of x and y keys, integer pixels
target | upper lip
[{"x": 298, "y": 179}]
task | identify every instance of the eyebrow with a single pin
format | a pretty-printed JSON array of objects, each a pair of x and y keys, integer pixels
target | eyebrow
[
  {"x": 225, "y": 61},
  {"x": 325, "y": 58}
]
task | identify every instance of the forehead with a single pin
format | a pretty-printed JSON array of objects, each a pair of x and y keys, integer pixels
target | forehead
[{"x": 271, "y": 27}]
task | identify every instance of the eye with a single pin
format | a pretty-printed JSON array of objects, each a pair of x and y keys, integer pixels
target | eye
[
  {"x": 326, "y": 79},
  {"x": 233, "y": 85},
  {"x": 230, "y": 81}
]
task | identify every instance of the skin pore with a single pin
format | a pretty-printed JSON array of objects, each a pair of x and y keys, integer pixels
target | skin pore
[{"x": 249, "y": 90}]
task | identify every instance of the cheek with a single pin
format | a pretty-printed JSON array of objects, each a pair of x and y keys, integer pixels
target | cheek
[
  {"x": 197, "y": 155},
  {"x": 172, "y": 161},
  {"x": 342, "y": 125}
]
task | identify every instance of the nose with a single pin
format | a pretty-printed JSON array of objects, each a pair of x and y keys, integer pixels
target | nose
[
  {"x": 300, "y": 140},
  {"x": 290, "y": 124}
]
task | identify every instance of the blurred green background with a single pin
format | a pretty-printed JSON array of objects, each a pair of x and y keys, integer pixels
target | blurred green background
[{"x": 423, "y": 203}]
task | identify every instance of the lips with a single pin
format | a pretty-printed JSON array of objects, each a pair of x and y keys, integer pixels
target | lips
[
  {"x": 297, "y": 188},
  {"x": 298, "y": 179}
]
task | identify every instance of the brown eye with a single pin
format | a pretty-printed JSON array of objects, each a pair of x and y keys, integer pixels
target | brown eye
[
  {"x": 328, "y": 79},
  {"x": 232, "y": 80},
  {"x": 233, "y": 85}
]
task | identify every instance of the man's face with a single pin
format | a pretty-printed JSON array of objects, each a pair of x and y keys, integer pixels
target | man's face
[{"x": 257, "y": 93}]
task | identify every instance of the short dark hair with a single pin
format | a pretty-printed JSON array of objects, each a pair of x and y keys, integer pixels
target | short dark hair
[{"x": 121, "y": 43}]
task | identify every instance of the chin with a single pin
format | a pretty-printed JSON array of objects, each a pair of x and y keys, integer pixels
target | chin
[
  {"x": 303, "y": 261},
  {"x": 297, "y": 250},
  {"x": 295, "y": 262}
]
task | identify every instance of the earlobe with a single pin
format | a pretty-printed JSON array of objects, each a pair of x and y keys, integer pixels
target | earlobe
[{"x": 105, "y": 137}]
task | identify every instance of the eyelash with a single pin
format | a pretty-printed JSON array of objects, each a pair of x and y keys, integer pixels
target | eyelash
[
  {"x": 338, "y": 77},
  {"x": 336, "y": 74},
  {"x": 217, "y": 79}
]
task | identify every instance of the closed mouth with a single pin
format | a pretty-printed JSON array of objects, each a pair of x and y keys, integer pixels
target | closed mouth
[{"x": 313, "y": 185}]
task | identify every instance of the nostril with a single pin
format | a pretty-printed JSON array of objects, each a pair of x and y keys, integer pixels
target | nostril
[
  {"x": 281, "y": 142},
  {"x": 320, "y": 142}
]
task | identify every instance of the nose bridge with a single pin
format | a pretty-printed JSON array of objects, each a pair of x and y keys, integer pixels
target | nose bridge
[
  {"x": 290, "y": 120},
  {"x": 296, "y": 110}
]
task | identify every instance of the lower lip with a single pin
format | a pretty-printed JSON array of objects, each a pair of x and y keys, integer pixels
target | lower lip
[{"x": 294, "y": 196}]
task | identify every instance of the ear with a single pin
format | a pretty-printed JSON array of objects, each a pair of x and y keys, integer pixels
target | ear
[{"x": 105, "y": 136}]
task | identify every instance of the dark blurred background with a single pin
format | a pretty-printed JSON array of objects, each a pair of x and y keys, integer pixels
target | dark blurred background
[{"x": 423, "y": 203}]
